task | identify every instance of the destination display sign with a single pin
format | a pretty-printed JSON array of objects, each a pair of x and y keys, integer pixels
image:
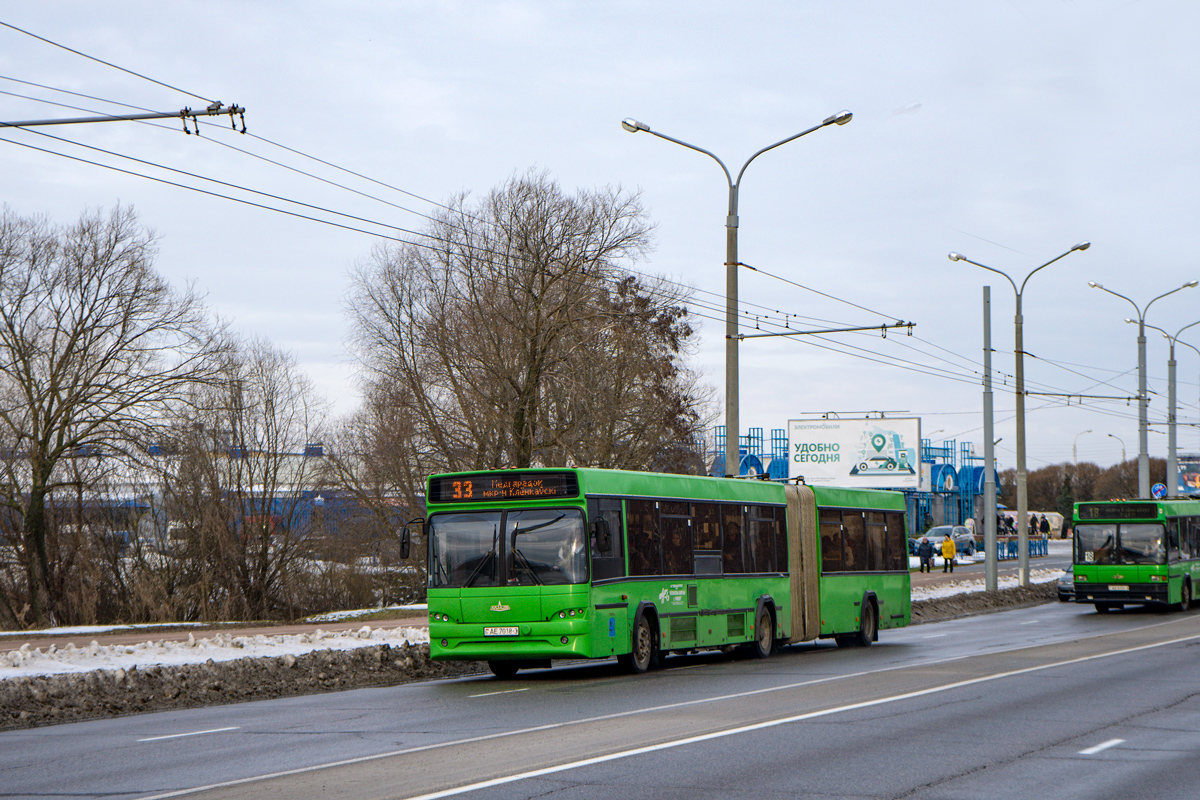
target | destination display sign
[
  {"x": 484, "y": 486},
  {"x": 1118, "y": 511}
]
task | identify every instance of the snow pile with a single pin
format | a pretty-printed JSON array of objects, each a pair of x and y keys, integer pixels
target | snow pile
[
  {"x": 338, "y": 616},
  {"x": 28, "y": 661},
  {"x": 977, "y": 585}
]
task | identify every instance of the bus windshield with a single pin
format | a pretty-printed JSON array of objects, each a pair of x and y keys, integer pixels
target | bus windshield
[
  {"x": 1126, "y": 543},
  {"x": 522, "y": 547}
]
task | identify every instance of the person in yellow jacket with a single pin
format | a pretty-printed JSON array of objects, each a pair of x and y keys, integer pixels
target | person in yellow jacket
[{"x": 949, "y": 550}]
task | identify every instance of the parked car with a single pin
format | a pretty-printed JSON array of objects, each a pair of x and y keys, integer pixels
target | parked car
[
  {"x": 1066, "y": 584},
  {"x": 962, "y": 537}
]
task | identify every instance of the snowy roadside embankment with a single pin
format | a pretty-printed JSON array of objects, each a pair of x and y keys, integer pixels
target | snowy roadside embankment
[{"x": 213, "y": 671}]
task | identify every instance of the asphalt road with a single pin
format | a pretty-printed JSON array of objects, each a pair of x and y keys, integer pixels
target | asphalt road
[{"x": 1002, "y": 705}]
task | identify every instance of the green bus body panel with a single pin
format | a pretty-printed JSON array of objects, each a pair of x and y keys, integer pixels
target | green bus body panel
[
  {"x": 1141, "y": 579},
  {"x": 692, "y": 611}
]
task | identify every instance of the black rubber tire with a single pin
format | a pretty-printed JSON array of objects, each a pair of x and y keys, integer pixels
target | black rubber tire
[
  {"x": 764, "y": 634},
  {"x": 867, "y": 626},
  {"x": 1104, "y": 608},
  {"x": 504, "y": 669},
  {"x": 645, "y": 649},
  {"x": 1185, "y": 597}
]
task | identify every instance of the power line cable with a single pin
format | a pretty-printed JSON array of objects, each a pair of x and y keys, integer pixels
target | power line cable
[{"x": 108, "y": 64}]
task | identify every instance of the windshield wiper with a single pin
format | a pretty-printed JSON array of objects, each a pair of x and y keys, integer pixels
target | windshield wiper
[{"x": 490, "y": 558}]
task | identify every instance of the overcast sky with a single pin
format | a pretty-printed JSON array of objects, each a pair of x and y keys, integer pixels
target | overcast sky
[{"x": 1005, "y": 131}]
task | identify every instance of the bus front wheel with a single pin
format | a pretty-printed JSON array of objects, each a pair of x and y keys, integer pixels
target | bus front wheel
[{"x": 644, "y": 650}]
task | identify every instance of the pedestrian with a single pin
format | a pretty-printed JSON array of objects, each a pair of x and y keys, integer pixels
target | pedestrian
[
  {"x": 925, "y": 553},
  {"x": 949, "y": 549},
  {"x": 1044, "y": 526}
]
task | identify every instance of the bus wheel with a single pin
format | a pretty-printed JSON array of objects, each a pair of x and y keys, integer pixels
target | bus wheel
[
  {"x": 503, "y": 669},
  {"x": 764, "y": 634},
  {"x": 867, "y": 626},
  {"x": 643, "y": 656},
  {"x": 1185, "y": 596},
  {"x": 1104, "y": 608}
]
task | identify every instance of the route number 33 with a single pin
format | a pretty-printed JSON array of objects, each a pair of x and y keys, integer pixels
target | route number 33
[{"x": 463, "y": 490}]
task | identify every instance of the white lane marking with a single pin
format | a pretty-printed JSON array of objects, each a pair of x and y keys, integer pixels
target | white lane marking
[
  {"x": 934, "y": 636},
  {"x": 1031, "y": 622},
  {"x": 552, "y": 726},
  {"x": 193, "y": 733},
  {"x": 491, "y": 694},
  {"x": 1091, "y": 751}
]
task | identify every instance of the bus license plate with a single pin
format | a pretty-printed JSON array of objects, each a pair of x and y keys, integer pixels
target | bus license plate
[
  {"x": 1118, "y": 588},
  {"x": 513, "y": 631}
]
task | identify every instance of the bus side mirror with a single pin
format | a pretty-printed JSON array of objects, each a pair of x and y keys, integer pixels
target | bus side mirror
[
  {"x": 603, "y": 535},
  {"x": 406, "y": 536},
  {"x": 405, "y": 542}
]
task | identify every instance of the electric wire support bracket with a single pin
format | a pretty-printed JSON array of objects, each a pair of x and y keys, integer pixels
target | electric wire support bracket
[
  {"x": 883, "y": 329},
  {"x": 215, "y": 110}
]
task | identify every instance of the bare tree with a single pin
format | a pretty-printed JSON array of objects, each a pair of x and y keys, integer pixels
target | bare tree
[
  {"x": 94, "y": 347},
  {"x": 242, "y": 484},
  {"x": 514, "y": 334}
]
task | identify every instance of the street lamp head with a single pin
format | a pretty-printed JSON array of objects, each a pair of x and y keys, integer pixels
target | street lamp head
[
  {"x": 1094, "y": 285},
  {"x": 1190, "y": 284},
  {"x": 840, "y": 118},
  {"x": 633, "y": 126},
  {"x": 955, "y": 257},
  {"x": 1082, "y": 246},
  {"x": 1130, "y": 321}
]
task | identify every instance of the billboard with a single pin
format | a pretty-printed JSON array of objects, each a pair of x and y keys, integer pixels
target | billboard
[
  {"x": 867, "y": 453},
  {"x": 1189, "y": 476}
]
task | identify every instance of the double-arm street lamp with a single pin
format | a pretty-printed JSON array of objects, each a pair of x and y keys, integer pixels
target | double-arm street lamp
[
  {"x": 1143, "y": 445},
  {"x": 732, "y": 454},
  {"x": 1172, "y": 454},
  {"x": 1022, "y": 490}
]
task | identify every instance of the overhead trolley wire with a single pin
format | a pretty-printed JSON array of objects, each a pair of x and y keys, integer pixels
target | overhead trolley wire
[{"x": 107, "y": 63}]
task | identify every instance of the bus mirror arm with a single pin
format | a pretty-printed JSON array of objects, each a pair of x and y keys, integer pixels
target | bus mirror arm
[{"x": 406, "y": 536}]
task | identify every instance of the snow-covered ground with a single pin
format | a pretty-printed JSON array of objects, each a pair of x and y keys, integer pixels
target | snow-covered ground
[{"x": 221, "y": 647}]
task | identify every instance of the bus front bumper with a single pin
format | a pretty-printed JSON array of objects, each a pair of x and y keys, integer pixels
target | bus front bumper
[
  {"x": 1120, "y": 593},
  {"x": 535, "y": 640}
]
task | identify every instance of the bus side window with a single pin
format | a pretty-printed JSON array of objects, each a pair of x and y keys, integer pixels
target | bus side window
[
  {"x": 831, "y": 540},
  {"x": 897, "y": 542},
  {"x": 645, "y": 552},
  {"x": 1173, "y": 540},
  {"x": 608, "y": 562},
  {"x": 760, "y": 540},
  {"x": 781, "y": 543},
  {"x": 876, "y": 542},
  {"x": 731, "y": 526},
  {"x": 856, "y": 541}
]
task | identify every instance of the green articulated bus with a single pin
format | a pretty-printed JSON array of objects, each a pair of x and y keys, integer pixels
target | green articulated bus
[
  {"x": 526, "y": 566},
  {"x": 1137, "y": 552}
]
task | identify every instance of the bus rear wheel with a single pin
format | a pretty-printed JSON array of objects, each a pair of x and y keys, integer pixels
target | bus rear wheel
[
  {"x": 868, "y": 626},
  {"x": 764, "y": 634},
  {"x": 503, "y": 669},
  {"x": 644, "y": 652},
  {"x": 1185, "y": 596}
]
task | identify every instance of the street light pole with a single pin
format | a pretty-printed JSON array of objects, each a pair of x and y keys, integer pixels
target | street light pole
[
  {"x": 1022, "y": 488},
  {"x": 1172, "y": 454},
  {"x": 1075, "y": 446},
  {"x": 1143, "y": 400},
  {"x": 1122, "y": 441},
  {"x": 732, "y": 454}
]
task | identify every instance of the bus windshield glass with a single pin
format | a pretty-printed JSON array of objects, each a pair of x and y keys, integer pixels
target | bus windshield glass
[
  {"x": 545, "y": 546},
  {"x": 1126, "y": 543},
  {"x": 525, "y": 547},
  {"x": 464, "y": 549}
]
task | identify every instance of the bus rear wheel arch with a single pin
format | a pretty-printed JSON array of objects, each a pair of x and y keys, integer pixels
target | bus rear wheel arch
[
  {"x": 868, "y": 625},
  {"x": 764, "y": 632},
  {"x": 1185, "y": 595}
]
